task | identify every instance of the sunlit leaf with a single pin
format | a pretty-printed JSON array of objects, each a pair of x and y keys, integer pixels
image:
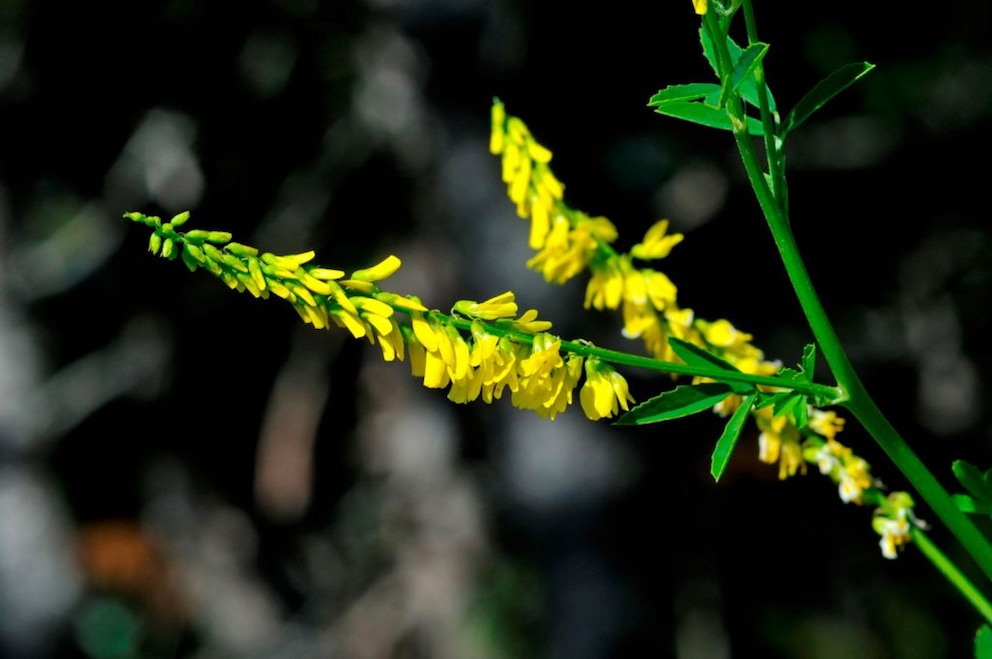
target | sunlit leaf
[
  {"x": 747, "y": 63},
  {"x": 690, "y": 92},
  {"x": 825, "y": 90},
  {"x": 695, "y": 356},
  {"x": 681, "y": 401},
  {"x": 705, "y": 115},
  {"x": 728, "y": 440}
]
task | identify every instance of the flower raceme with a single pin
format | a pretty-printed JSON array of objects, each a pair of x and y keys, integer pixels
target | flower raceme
[
  {"x": 479, "y": 351},
  {"x": 569, "y": 242}
]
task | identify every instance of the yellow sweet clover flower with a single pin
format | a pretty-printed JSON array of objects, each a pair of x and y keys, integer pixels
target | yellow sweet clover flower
[
  {"x": 605, "y": 391},
  {"x": 893, "y": 520},
  {"x": 569, "y": 246},
  {"x": 779, "y": 442},
  {"x": 838, "y": 462},
  {"x": 826, "y": 423},
  {"x": 503, "y": 305},
  {"x": 478, "y": 360},
  {"x": 656, "y": 244},
  {"x": 700, "y": 6}
]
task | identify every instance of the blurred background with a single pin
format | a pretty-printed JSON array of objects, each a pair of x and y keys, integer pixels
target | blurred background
[{"x": 187, "y": 472}]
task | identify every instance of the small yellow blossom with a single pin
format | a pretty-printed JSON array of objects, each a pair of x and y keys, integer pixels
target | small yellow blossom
[
  {"x": 893, "y": 521},
  {"x": 656, "y": 245},
  {"x": 825, "y": 423},
  {"x": 503, "y": 305},
  {"x": 604, "y": 392},
  {"x": 699, "y": 6},
  {"x": 779, "y": 442},
  {"x": 382, "y": 270}
]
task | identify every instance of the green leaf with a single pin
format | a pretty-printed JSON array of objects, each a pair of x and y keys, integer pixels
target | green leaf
[
  {"x": 983, "y": 643},
  {"x": 972, "y": 480},
  {"x": 971, "y": 505},
  {"x": 825, "y": 90},
  {"x": 766, "y": 398},
  {"x": 792, "y": 374},
  {"x": 693, "y": 355},
  {"x": 747, "y": 63},
  {"x": 728, "y": 440},
  {"x": 748, "y": 89},
  {"x": 705, "y": 115},
  {"x": 788, "y": 403},
  {"x": 690, "y": 92},
  {"x": 681, "y": 401},
  {"x": 809, "y": 361}
]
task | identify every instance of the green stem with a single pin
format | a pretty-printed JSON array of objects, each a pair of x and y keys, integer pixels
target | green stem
[
  {"x": 859, "y": 401},
  {"x": 769, "y": 120},
  {"x": 675, "y": 368},
  {"x": 953, "y": 574}
]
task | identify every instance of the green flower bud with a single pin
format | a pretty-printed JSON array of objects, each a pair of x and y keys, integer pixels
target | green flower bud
[
  {"x": 218, "y": 237},
  {"x": 168, "y": 249},
  {"x": 180, "y": 219},
  {"x": 196, "y": 236},
  {"x": 241, "y": 250},
  {"x": 154, "y": 243}
]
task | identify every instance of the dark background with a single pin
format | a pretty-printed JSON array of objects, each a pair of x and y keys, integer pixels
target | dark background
[{"x": 187, "y": 472}]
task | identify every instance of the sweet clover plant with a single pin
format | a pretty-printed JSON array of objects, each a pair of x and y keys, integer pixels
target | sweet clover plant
[{"x": 487, "y": 350}]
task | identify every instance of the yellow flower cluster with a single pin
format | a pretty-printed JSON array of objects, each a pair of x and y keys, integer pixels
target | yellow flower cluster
[
  {"x": 478, "y": 351},
  {"x": 569, "y": 242}
]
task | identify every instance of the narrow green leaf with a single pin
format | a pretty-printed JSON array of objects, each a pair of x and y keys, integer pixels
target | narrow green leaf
[
  {"x": 765, "y": 398},
  {"x": 983, "y": 643},
  {"x": 800, "y": 412},
  {"x": 746, "y": 64},
  {"x": 728, "y": 440},
  {"x": 708, "y": 51},
  {"x": 690, "y": 92},
  {"x": 748, "y": 89},
  {"x": 693, "y": 355},
  {"x": 809, "y": 361},
  {"x": 791, "y": 374},
  {"x": 705, "y": 115},
  {"x": 788, "y": 403},
  {"x": 681, "y": 401},
  {"x": 825, "y": 90},
  {"x": 971, "y": 505},
  {"x": 972, "y": 480}
]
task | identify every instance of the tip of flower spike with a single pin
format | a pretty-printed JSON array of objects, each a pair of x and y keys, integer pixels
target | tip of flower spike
[{"x": 385, "y": 268}]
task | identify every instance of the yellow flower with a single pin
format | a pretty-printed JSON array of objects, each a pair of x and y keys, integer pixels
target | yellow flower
[
  {"x": 382, "y": 270},
  {"x": 502, "y": 306},
  {"x": 604, "y": 392},
  {"x": 825, "y": 423},
  {"x": 529, "y": 323},
  {"x": 605, "y": 287},
  {"x": 779, "y": 442},
  {"x": 498, "y": 134},
  {"x": 699, "y": 6},
  {"x": 656, "y": 245}
]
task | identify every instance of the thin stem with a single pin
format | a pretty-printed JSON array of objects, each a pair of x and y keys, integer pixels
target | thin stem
[
  {"x": 953, "y": 574},
  {"x": 769, "y": 119},
  {"x": 626, "y": 359}
]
